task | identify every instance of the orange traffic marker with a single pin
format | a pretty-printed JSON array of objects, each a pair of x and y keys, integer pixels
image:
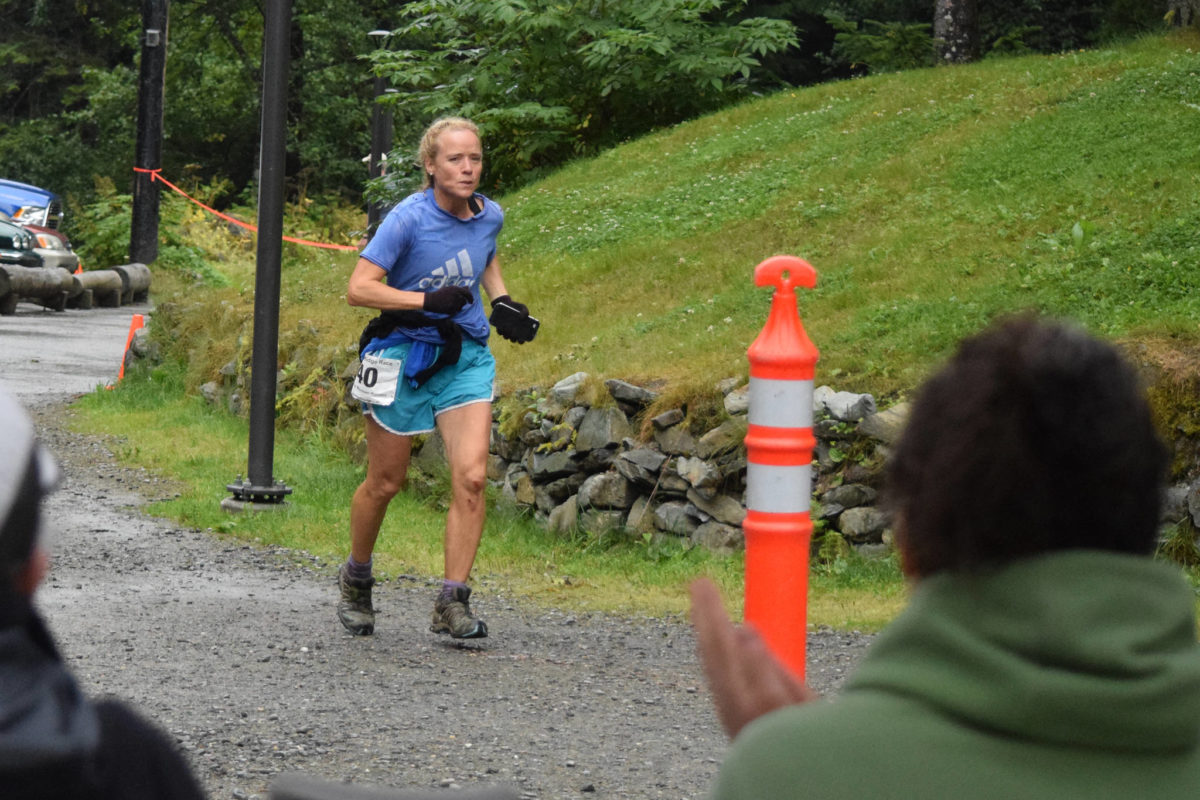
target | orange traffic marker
[
  {"x": 779, "y": 446},
  {"x": 137, "y": 322}
]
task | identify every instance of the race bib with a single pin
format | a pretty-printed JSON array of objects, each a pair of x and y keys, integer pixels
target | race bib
[{"x": 376, "y": 380}]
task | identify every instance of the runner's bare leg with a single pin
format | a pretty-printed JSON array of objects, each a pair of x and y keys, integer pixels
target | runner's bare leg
[
  {"x": 466, "y": 431},
  {"x": 387, "y": 473}
]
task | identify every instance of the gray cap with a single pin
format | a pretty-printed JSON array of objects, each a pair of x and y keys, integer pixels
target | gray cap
[{"x": 19, "y": 448}]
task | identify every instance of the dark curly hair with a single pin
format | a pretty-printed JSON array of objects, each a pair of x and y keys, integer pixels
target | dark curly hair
[{"x": 1034, "y": 437}]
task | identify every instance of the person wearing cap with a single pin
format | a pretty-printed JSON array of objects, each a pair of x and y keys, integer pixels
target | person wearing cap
[
  {"x": 1045, "y": 653},
  {"x": 54, "y": 742}
]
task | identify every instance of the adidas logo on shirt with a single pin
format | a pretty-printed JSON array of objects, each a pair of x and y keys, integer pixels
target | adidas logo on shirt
[{"x": 457, "y": 271}]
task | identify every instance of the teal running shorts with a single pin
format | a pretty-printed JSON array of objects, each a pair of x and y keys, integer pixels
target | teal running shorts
[{"x": 471, "y": 380}]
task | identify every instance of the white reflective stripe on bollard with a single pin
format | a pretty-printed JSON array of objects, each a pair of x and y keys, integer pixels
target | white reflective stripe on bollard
[
  {"x": 780, "y": 404},
  {"x": 778, "y": 490}
]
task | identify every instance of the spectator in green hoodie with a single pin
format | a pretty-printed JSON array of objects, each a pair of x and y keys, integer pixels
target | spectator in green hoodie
[{"x": 1045, "y": 653}]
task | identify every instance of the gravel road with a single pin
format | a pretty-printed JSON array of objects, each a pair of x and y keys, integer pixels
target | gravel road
[{"x": 235, "y": 650}]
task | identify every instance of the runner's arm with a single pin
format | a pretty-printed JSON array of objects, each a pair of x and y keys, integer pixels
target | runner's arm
[
  {"x": 367, "y": 288},
  {"x": 492, "y": 281}
]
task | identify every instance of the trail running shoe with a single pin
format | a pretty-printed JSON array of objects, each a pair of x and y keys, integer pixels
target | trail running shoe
[
  {"x": 354, "y": 608},
  {"x": 452, "y": 615}
]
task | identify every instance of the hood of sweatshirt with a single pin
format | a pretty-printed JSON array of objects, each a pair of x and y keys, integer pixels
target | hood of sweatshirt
[
  {"x": 44, "y": 718},
  {"x": 1077, "y": 648}
]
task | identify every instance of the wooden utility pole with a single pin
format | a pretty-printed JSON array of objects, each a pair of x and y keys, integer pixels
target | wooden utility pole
[{"x": 143, "y": 235}]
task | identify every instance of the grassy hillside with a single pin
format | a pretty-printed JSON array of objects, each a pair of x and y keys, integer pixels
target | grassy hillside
[{"x": 928, "y": 202}]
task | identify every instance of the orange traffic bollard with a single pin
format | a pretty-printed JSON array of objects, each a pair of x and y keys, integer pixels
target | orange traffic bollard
[
  {"x": 137, "y": 322},
  {"x": 779, "y": 447}
]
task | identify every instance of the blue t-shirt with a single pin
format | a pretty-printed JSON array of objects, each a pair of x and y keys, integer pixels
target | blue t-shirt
[{"x": 422, "y": 247}]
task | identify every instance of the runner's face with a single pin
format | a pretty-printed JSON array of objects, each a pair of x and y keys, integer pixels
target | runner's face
[{"x": 457, "y": 166}]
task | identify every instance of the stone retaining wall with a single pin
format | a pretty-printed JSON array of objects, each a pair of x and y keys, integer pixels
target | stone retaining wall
[{"x": 580, "y": 467}]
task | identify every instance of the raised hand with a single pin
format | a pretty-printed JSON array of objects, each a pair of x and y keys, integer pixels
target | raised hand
[{"x": 744, "y": 676}]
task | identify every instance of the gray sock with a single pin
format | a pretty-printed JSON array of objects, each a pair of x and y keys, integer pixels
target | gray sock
[
  {"x": 448, "y": 587},
  {"x": 360, "y": 572}
]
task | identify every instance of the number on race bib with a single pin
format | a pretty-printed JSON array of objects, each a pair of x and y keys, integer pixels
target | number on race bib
[{"x": 368, "y": 376}]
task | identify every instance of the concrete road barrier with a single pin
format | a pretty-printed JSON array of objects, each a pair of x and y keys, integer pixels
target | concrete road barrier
[
  {"x": 46, "y": 286},
  {"x": 97, "y": 287},
  {"x": 136, "y": 280}
]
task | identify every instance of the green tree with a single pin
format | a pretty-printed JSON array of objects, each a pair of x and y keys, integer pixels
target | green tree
[
  {"x": 548, "y": 80},
  {"x": 68, "y": 94},
  {"x": 883, "y": 46},
  {"x": 65, "y": 91},
  {"x": 214, "y": 87}
]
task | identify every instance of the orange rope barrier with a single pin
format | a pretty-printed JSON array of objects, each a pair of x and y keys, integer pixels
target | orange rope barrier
[{"x": 156, "y": 175}]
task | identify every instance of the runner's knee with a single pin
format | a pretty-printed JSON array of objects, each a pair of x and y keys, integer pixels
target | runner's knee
[
  {"x": 384, "y": 487},
  {"x": 470, "y": 483}
]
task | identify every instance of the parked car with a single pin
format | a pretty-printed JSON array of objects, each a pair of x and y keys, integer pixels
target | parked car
[
  {"x": 55, "y": 250},
  {"x": 30, "y": 205},
  {"x": 53, "y": 246},
  {"x": 16, "y": 246}
]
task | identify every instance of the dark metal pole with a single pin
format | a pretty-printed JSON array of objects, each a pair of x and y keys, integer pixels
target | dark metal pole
[
  {"x": 143, "y": 237},
  {"x": 262, "y": 486},
  {"x": 381, "y": 137},
  {"x": 381, "y": 143}
]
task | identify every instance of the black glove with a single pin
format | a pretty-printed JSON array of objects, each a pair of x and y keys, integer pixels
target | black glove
[
  {"x": 512, "y": 320},
  {"x": 524, "y": 309},
  {"x": 448, "y": 300}
]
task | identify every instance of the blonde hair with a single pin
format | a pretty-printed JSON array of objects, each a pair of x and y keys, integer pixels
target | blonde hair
[{"x": 428, "y": 148}]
